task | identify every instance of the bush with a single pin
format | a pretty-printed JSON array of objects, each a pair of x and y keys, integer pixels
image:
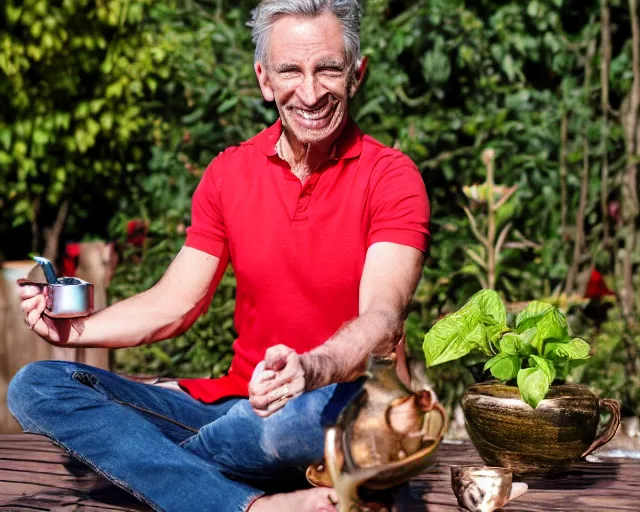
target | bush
[{"x": 446, "y": 79}]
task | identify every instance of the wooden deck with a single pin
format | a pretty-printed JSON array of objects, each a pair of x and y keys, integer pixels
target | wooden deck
[{"x": 36, "y": 475}]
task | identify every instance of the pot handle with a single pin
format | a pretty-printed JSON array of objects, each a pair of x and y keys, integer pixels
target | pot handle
[
  {"x": 29, "y": 282},
  {"x": 444, "y": 418},
  {"x": 610, "y": 429}
]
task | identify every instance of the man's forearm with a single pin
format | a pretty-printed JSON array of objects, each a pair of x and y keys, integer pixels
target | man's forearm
[
  {"x": 144, "y": 318},
  {"x": 344, "y": 356}
]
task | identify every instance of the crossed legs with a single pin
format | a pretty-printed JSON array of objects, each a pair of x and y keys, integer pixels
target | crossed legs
[{"x": 168, "y": 449}]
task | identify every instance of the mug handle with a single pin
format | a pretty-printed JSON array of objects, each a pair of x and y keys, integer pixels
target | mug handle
[
  {"x": 28, "y": 282},
  {"x": 610, "y": 429}
]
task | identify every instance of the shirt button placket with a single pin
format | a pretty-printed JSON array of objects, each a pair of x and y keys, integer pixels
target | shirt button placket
[{"x": 303, "y": 201}]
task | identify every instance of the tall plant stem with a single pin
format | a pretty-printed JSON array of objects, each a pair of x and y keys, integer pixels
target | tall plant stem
[
  {"x": 578, "y": 245},
  {"x": 491, "y": 230},
  {"x": 564, "y": 196},
  {"x": 605, "y": 64},
  {"x": 630, "y": 208}
]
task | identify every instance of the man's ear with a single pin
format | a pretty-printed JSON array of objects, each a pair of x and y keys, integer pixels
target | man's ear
[
  {"x": 263, "y": 80},
  {"x": 360, "y": 72}
]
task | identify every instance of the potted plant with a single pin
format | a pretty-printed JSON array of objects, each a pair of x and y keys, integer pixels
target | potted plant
[{"x": 528, "y": 419}]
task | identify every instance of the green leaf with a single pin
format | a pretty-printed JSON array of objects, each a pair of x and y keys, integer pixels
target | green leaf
[
  {"x": 5, "y": 138},
  {"x": 529, "y": 316},
  {"x": 575, "y": 349},
  {"x": 461, "y": 332},
  {"x": 526, "y": 339},
  {"x": 552, "y": 326},
  {"x": 478, "y": 338},
  {"x": 447, "y": 339},
  {"x": 545, "y": 365},
  {"x": 495, "y": 334},
  {"x": 509, "y": 67},
  {"x": 227, "y": 105},
  {"x": 490, "y": 304},
  {"x": 443, "y": 341},
  {"x": 504, "y": 366},
  {"x": 533, "y": 384},
  {"x": 509, "y": 344}
]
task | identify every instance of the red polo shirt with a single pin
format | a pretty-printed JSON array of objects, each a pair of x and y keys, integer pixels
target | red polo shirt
[{"x": 297, "y": 249}]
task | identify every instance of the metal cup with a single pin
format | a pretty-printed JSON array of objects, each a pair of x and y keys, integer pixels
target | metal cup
[
  {"x": 484, "y": 488},
  {"x": 66, "y": 297},
  {"x": 71, "y": 298}
]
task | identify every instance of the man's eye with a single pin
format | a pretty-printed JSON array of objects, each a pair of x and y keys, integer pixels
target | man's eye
[
  {"x": 289, "y": 72},
  {"x": 334, "y": 73}
]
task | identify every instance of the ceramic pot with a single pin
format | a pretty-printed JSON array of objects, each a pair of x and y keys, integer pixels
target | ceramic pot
[{"x": 562, "y": 430}]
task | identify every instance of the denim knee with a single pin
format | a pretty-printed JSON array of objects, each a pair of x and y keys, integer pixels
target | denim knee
[{"x": 26, "y": 386}]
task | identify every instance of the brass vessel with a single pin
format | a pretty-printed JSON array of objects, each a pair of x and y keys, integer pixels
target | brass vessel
[{"x": 386, "y": 435}]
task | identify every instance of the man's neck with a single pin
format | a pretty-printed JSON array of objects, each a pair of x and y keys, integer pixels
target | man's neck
[{"x": 304, "y": 159}]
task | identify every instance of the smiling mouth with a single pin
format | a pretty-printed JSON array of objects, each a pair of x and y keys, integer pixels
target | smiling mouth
[{"x": 317, "y": 114}]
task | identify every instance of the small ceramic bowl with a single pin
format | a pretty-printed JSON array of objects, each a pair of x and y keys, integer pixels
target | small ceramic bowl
[{"x": 484, "y": 488}]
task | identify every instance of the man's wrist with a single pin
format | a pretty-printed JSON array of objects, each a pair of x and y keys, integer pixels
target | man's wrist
[
  {"x": 317, "y": 369},
  {"x": 70, "y": 331}
]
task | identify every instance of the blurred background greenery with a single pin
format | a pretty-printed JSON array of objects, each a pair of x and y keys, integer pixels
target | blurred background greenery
[{"x": 112, "y": 109}]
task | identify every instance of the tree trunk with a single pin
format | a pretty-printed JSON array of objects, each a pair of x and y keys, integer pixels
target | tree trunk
[
  {"x": 35, "y": 229},
  {"x": 491, "y": 228},
  {"x": 605, "y": 64},
  {"x": 564, "y": 196},
  {"x": 630, "y": 207},
  {"x": 578, "y": 244},
  {"x": 52, "y": 235}
]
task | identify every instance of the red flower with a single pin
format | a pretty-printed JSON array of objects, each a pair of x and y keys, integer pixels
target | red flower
[
  {"x": 597, "y": 287},
  {"x": 137, "y": 232},
  {"x": 70, "y": 260}
]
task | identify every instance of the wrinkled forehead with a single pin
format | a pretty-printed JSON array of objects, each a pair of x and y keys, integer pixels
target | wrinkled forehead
[{"x": 306, "y": 41}]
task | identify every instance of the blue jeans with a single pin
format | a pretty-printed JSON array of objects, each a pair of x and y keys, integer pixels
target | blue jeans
[{"x": 164, "y": 447}]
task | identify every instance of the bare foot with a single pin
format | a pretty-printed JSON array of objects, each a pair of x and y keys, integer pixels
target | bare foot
[{"x": 318, "y": 499}]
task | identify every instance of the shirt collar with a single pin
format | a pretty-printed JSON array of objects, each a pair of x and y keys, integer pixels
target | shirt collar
[{"x": 348, "y": 145}]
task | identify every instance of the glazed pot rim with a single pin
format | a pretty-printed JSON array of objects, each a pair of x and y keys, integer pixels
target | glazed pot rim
[{"x": 496, "y": 389}]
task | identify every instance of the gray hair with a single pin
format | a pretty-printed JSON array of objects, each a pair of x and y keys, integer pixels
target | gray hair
[{"x": 269, "y": 11}]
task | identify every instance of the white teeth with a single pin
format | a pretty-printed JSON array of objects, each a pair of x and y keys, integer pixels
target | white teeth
[{"x": 311, "y": 115}]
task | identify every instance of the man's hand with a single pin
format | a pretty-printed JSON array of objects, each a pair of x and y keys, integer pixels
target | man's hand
[
  {"x": 276, "y": 380},
  {"x": 55, "y": 331}
]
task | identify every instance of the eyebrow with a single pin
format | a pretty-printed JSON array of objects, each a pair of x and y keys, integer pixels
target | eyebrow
[
  {"x": 284, "y": 68},
  {"x": 331, "y": 64},
  {"x": 325, "y": 64}
]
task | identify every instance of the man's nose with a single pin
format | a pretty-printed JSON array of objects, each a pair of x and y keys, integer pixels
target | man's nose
[{"x": 309, "y": 91}]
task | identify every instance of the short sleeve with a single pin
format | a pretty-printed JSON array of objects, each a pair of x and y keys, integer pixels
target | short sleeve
[
  {"x": 207, "y": 232},
  {"x": 399, "y": 206}
]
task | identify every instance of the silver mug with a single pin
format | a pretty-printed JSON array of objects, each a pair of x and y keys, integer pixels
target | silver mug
[{"x": 66, "y": 297}]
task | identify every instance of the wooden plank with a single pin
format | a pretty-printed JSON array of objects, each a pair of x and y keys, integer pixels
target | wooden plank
[
  {"x": 58, "y": 457},
  {"x": 589, "y": 486},
  {"x": 28, "y": 448},
  {"x": 68, "y": 482},
  {"x": 24, "y": 438},
  {"x": 38, "y": 467},
  {"x": 58, "y": 503},
  {"x": 42, "y": 477}
]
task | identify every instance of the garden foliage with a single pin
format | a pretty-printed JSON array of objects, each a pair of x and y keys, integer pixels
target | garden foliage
[{"x": 121, "y": 105}]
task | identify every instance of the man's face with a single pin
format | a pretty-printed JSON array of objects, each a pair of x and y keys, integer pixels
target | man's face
[{"x": 306, "y": 74}]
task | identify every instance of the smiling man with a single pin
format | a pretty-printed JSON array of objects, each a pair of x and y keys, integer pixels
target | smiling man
[{"x": 326, "y": 231}]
